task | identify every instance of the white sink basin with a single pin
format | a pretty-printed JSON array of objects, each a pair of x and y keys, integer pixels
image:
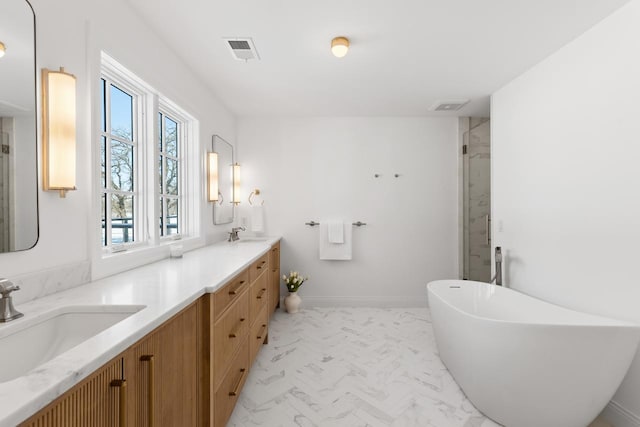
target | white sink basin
[
  {"x": 28, "y": 343},
  {"x": 252, "y": 240}
]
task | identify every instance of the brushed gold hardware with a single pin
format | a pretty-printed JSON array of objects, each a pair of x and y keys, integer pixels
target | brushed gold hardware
[
  {"x": 234, "y": 291},
  {"x": 149, "y": 358},
  {"x": 262, "y": 291},
  {"x": 262, "y": 331},
  {"x": 234, "y": 333},
  {"x": 122, "y": 415},
  {"x": 236, "y": 390},
  {"x": 257, "y": 193}
]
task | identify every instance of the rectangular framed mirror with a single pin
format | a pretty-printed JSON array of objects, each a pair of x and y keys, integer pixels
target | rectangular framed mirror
[
  {"x": 18, "y": 128},
  {"x": 223, "y": 209}
]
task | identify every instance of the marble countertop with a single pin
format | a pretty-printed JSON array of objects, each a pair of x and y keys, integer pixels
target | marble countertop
[{"x": 163, "y": 287}]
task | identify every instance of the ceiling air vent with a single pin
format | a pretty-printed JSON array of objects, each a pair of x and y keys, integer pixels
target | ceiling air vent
[
  {"x": 449, "y": 105},
  {"x": 242, "y": 48}
]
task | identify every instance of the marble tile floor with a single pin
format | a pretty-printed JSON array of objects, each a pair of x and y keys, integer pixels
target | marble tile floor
[{"x": 352, "y": 367}]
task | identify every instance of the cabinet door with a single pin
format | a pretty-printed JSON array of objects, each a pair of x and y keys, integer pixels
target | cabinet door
[
  {"x": 141, "y": 372},
  {"x": 95, "y": 402},
  {"x": 178, "y": 369}
]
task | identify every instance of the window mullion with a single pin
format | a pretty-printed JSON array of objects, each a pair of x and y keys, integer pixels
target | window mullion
[{"x": 107, "y": 164}]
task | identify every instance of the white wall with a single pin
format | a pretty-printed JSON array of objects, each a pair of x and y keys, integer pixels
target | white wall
[
  {"x": 71, "y": 33},
  {"x": 312, "y": 169},
  {"x": 566, "y": 177}
]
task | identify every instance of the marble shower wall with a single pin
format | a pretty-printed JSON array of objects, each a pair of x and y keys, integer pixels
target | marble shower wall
[{"x": 477, "y": 198}]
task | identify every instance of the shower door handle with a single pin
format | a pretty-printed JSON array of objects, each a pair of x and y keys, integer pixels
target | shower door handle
[{"x": 487, "y": 223}]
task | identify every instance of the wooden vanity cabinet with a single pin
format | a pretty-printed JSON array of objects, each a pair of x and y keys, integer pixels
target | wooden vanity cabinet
[
  {"x": 94, "y": 402},
  {"x": 187, "y": 372},
  {"x": 152, "y": 383},
  {"x": 274, "y": 278}
]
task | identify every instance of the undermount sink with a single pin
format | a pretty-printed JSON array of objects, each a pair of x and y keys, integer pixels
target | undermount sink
[
  {"x": 252, "y": 240},
  {"x": 29, "y": 343}
]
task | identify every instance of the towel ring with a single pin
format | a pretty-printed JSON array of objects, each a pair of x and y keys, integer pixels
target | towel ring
[
  {"x": 257, "y": 193},
  {"x": 221, "y": 197}
]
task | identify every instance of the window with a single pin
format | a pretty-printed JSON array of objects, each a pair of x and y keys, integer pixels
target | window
[
  {"x": 168, "y": 176},
  {"x": 118, "y": 151},
  {"x": 144, "y": 154}
]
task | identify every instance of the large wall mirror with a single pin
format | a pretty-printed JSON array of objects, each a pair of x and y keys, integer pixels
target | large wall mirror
[
  {"x": 224, "y": 207},
  {"x": 18, "y": 130}
]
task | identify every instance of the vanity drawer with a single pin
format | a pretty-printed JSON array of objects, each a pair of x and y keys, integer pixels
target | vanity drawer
[
  {"x": 229, "y": 293},
  {"x": 259, "y": 296},
  {"x": 258, "y": 334},
  {"x": 229, "y": 389},
  {"x": 258, "y": 267},
  {"x": 228, "y": 333}
]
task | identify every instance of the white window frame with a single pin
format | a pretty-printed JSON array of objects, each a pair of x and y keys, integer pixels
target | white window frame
[
  {"x": 148, "y": 245},
  {"x": 140, "y": 96}
]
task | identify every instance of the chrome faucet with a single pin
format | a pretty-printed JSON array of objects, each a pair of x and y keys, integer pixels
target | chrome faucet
[
  {"x": 498, "y": 277},
  {"x": 233, "y": 234},
  {"x": 7, "y": 311}
]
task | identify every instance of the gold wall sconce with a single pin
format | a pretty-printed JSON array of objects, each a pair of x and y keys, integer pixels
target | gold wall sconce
[
  {"x": 236, "y": 184},
  {"x": 3, "y": 49},
  {"x": 58, "y": 131},
  {"x": 212, "y": 177}
]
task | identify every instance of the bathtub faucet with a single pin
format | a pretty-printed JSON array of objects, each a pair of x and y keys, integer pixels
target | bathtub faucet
[{"x": 498, "y": 277}]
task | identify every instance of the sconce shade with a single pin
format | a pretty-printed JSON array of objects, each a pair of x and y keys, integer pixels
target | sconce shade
[
  {"x": 236, "y": 183},
  {"x": 339, "y": 46},
  {"x": 212, "y": 176},
  {"x": 59, "y": 131}
]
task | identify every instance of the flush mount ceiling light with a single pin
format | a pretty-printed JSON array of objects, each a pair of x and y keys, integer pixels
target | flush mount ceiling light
[
  {"x": 2, "y": 49},
  {"x": 339, "y": 46}
]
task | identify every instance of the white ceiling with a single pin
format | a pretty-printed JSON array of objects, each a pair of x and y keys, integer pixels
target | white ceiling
[{"x": 405, "y": 54}]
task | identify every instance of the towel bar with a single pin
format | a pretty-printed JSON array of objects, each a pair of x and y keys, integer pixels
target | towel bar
[{"x": 314, "y": 223}]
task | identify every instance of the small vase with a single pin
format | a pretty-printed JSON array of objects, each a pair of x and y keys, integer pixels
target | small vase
[{"x": 292, "y": 302}]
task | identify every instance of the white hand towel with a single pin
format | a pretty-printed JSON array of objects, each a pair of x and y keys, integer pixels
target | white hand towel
[
  {"x": 334, "y": 251},
  {"x": 257, "y": 219},
  {"x": 335, "y": 231}
]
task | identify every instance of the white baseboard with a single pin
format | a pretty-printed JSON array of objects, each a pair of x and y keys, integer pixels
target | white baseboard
[
  {"x": 618, "y": 416},
  {"x": 368, "y": 301}
]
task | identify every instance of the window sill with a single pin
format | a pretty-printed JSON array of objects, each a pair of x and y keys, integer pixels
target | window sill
[{"x": 107, "y": 264}]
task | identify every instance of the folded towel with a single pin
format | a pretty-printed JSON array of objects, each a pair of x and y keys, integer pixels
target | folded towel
[
  {"x": 335, "y": 231},
  {"x": 335, "y": 251},
  {"x": 257, "y": 219}
]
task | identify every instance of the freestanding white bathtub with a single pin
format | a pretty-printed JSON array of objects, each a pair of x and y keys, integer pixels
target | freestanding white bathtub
[{"x": 524, "y": 362}]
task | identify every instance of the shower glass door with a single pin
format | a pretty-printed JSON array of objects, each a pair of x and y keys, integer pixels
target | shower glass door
[{"x": 477, "y": 199}]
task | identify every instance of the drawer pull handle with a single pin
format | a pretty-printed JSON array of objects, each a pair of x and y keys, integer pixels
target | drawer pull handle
[
  {"x": 234, "y": 291},
  {"x": 122, "y": 414},
  {"x": 236, "y": 390},
  {"x": 262, "y": 331},
  {"x": 234, "y": 333},
  {"x": 259, "y": 267},
  {"x": 149, "y": 358},
  {"x": 262, "y": 291}
]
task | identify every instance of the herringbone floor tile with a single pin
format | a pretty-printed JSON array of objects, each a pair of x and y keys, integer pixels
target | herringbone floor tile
[{"x": 335, "y": 367}]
